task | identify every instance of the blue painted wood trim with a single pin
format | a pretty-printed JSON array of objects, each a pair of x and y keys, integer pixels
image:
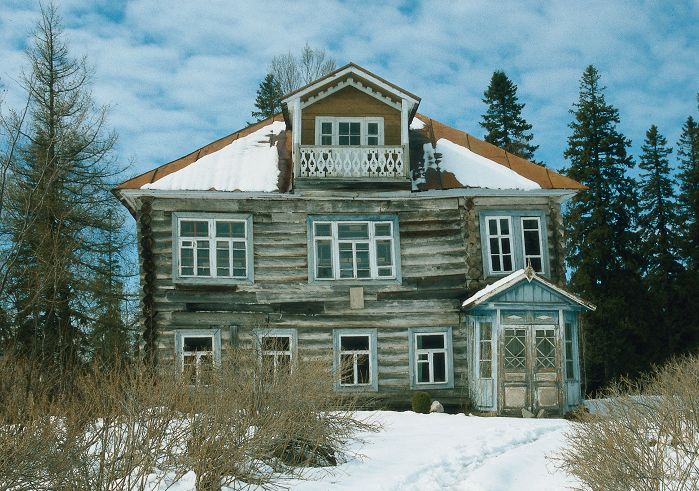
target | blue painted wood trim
[
  {"x": 449, "y": 384},
  {"x": 374, "y": 386}
]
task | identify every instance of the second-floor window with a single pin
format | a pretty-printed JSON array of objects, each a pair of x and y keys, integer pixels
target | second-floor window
[
  {"x": 354, "y": 249},
  {"x": 513, "y": 241},
  {"x": 212, "y": 247},
  {"x": 349, "y": 131}
]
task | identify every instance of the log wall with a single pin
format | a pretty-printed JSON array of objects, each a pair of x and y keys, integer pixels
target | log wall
[{"x": 440, "y": 262}]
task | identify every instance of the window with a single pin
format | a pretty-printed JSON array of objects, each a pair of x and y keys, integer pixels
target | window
[
  {"x": 500, "y": 244},
  {"x": 513, "y": 240},
  {"x": 570, "y": 352},
  {"x": 353, "y": 249},
  {"x": 485, "y": 341},
  {"x": 212, "y": 247},
  {"x": 431, "y": 358},
  {"x": 198, "y": 352},
  {"x": 276, "y": 350},
  {"x": 531, "y": 241},
  {"x": 355, "y": 359},
  {"x": 349, "y": 131}
]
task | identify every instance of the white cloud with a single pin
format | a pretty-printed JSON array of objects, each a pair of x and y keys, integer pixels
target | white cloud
[{"x": 180, "y": 74}]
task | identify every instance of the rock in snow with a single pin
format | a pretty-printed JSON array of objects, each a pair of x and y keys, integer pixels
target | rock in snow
[{"x": 436, "y": 407}]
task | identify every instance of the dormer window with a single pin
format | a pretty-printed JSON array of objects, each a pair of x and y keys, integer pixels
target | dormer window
[{"x": 343, "y": 131}]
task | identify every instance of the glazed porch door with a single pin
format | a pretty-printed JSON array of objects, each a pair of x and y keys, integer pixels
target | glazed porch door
[{"x": 529, "y": 369}]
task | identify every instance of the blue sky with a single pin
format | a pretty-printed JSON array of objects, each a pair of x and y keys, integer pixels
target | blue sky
[{"x": 178, "y": 75}]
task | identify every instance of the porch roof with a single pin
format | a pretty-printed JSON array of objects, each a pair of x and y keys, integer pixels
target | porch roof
[{"x": 511, "y": 281}]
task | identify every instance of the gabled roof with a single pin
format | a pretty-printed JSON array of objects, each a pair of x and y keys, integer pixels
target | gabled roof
[
  {"x": 351, "y": 68},
  {"x": 527, "y": 274}
]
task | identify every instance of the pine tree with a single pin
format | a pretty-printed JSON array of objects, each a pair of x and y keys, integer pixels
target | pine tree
[
  {"x": 503, "y": 121},
  {"x": 657, "y": 219},
  {"x": 601, "y": 235},
  {"x": 269, "y": 98},
  {"x": 58, "y": 202}
]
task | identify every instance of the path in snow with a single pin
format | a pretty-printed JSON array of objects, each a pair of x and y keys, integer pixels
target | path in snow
[{"x": 441, "y": 451}]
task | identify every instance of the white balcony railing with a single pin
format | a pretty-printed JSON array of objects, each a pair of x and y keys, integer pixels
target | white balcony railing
[{"x": 325, "y": 161}]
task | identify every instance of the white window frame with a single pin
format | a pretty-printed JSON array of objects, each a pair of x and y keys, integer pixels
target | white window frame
[
  {"x": 371, "y": 240},
  {"x": 515, "y": 220},
  {"x": 415, "y": 353},
  {"x": 485, "y": 342},
  {"x": 215, "y": 353},
  {"x": 370, "y": 334},
  {"x": 178, "y": 242},
  {"x": 526, "y": 256},
  {"x": 500, "y": 236},
  {"x": 363, "y": 136},
  {"x": 260, "y": 335}
]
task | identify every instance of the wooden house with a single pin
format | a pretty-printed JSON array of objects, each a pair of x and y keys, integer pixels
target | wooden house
[{"x": 353, "y": 229}]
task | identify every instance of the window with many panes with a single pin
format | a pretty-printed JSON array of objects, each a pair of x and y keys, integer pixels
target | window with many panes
[
  {"x": 485, "y": 344},
  {"x": 570, "y": 352},
  {"x": 354, "y": 249},
  {"x": 349, "y": 131},
  {"x": 431, "y": 352},
  {"x": 512, "y": 242},
  {"x": 208, "y": 247}
]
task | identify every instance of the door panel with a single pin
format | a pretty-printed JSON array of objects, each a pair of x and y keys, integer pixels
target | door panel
[{"x": 530, "y": 369}]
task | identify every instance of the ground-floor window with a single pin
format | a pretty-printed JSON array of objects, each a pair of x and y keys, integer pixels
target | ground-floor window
[
  {"x": 198, "y": 352},
  {"x": 431, "y": 357},
  {"x": 276, "y": 349},
  {"x": 355, "y": 358}
]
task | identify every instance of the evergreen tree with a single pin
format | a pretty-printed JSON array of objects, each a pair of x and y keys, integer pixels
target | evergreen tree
[
  {"x": 688, "y": 153},
  {"x": 601, "y": 236},
  {"x": 503, "y": 121},
  {"x": 656, "y": 222},
  {"x": 688, "y": 228},
  {"x": 58, "y": 202},
  {"x": 269, "y": 98}
]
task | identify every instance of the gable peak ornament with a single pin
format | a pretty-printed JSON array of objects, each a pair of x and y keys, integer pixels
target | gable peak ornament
[{"x": 529, "y": 271}]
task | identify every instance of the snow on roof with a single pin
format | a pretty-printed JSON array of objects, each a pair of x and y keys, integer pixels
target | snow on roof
[
  {"x": 473, "y": 170},
  {"x": 250, "y": 163},
  {"x": 417, "y": 124},
  {"x": 492, "y": 287}
]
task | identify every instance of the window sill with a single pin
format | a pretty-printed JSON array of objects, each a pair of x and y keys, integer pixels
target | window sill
[
  {"x": 356, "y": 282},
  {"x": 435, "y": 386},
  {"x": 211, "y": 281},
  {"x": 357, "y": 388}
]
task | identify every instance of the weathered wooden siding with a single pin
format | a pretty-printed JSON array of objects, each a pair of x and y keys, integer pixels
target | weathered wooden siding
[
  {"x": 440, "y": 264},
  {"x": 354, "y": 103}
]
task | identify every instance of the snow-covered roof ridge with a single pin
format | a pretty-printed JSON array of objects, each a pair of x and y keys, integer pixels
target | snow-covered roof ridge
[
  {"x": 249, "y": 163},
  {"x": 489, "y": 291}
]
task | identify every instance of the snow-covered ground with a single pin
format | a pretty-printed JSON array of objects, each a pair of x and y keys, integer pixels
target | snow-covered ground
[{"x": 444, "y": 451}]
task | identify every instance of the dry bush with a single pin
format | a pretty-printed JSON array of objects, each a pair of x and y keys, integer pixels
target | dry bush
[
  {"x": 131, "y": 428},
  {"x": 646, "y": 437}
]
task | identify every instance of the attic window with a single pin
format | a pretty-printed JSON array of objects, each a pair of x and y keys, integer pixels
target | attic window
[{"x": 336, "y": 131}]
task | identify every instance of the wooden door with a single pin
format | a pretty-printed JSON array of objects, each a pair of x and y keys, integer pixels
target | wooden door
[{"x": 529, "y": 369}]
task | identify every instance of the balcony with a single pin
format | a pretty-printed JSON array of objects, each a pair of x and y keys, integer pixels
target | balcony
[{"x": 383, "y": 162}]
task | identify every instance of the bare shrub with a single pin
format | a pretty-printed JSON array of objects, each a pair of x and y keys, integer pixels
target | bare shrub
[
  {"x": 131, "y": 428},
  {"x": 645, "y": 436}
]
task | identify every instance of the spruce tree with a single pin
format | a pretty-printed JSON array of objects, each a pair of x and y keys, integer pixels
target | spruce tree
[
  {"x": 688, "y": 153},
  {"x": 269, "y": 98},
  {"x": 688, "y": 229},
  {"x": 503, "y": 121},
  {"x": 601, "y": 235},
  {"x": 58, "y": 202},
  {"x": 656, "y": 223}
]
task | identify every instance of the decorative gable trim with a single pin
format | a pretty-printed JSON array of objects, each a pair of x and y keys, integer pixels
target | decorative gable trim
[
  {"x": 510, "y": 281},
  {"x": 351, "y": 82}
]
